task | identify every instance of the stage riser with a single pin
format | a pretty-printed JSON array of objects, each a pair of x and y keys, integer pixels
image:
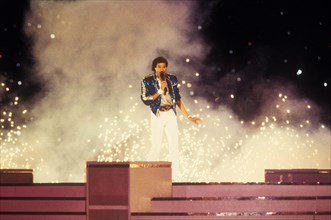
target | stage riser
[
  {"x": 43, "y": 205},
  {"x": 275, "y": 217},
  {"x": 43, "y": 202},
  {"x": 16, "y": 176},
  {"x": 78, "y": 217},
  {"x": 116, "y": 189},
  {"x": 42, "y": 217},
  {"x": 215, "y": 206},
  {"x": 298, "y": 176},
  {"x": 50, "y": 191},
  {"x": 181, "y": 201},
  {"x": 218, "y": 190},
  {"x": 221, "y": 190}
]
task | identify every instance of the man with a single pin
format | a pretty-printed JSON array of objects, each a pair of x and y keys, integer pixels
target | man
[{"x": 160, "y": 92}]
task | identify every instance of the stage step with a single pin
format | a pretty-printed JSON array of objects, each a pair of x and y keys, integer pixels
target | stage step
[
  {"x": 242, "y": 204},
  {"x": 302, "y": 176},
  {"x": 43, "y": 201},
  {"x": 72, "y": 190},
  {"x": 230, "y": 216},
  {"x": 22, "y": 200},
  {"x": 259, "y": 201},
  {"x": 248, "y": 189},
  {"x": 43, "y": 216},
  {"x": 16, "y": 176}
]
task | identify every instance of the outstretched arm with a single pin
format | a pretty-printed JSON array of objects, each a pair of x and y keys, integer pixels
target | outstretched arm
[{"x": 182, "y": 107}]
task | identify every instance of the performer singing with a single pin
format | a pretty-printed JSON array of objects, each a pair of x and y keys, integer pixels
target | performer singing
[{"x": 160, "y": 92}]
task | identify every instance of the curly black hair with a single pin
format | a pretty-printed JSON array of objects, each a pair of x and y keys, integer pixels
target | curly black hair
[{"x": 159, "y": 60}]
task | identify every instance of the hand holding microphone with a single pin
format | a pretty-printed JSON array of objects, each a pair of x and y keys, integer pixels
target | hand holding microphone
[{"x": 164, "y": 85}]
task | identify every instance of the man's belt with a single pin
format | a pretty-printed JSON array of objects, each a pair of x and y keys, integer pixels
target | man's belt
[{"x": 165, "y": 108}]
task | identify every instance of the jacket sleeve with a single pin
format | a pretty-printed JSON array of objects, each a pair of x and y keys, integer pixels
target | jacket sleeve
[
  {"x": 174, "y": 83},
  {"x": 146, "y": 95}
]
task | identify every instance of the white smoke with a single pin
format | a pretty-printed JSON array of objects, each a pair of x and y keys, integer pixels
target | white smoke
[{"x": 91, "y": 56}]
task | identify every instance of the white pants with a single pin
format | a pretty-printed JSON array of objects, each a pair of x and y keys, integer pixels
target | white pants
[{"x": 167, "y": 122}]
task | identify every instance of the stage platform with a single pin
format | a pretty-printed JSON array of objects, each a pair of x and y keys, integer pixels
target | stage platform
[{"x": 144, "y": 191}]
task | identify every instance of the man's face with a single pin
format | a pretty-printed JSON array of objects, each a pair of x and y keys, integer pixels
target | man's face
[{"x": 160, "y": 67}]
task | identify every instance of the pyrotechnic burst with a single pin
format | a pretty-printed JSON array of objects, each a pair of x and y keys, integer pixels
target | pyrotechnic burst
[
  {"x": 13, "y": 152},
  {"x": 222, "y": 148}
]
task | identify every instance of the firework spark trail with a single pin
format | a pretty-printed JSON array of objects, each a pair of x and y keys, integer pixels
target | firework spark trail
[
  {"x": 211, "y": 151},
  {"x": 14, "y": 153},
  {"x": 92, "y": 109}
]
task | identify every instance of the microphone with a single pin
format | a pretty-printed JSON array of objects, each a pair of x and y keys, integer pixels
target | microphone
[{"x": 163, "y": 77}]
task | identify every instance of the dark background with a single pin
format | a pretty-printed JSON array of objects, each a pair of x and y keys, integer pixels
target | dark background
[
  {"x": 259, "y": 42},
  {"x": 267, "y": 42}
]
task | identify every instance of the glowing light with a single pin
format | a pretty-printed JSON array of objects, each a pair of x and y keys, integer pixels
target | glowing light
[
  {"x": 325, "y": 84},
  {"x": 197, "y": 74},
  {"x": 187, "y": 60},
  {"x": 232, "y": 96},
  {"x": 299, "y": 72},
  {"x": 52, "y": 36}
]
